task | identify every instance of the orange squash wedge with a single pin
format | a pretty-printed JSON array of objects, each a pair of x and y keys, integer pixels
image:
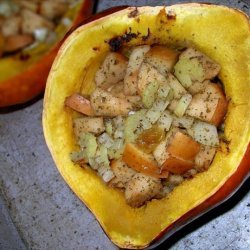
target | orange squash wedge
[
  {"x": 23, "y": 76},
  {"x": 205, "y": 27}
]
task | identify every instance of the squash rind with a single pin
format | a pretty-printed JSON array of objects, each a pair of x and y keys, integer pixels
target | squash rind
[{"x": 182, "y": 25}]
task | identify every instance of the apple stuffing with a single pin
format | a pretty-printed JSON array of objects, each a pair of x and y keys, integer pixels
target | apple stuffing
[
  {"x": 152, "y": 121},
  {"x": 27, "y": 23}
]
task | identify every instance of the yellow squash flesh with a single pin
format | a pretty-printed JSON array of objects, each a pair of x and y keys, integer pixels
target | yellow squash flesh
[{"x": 219, "y": 32}]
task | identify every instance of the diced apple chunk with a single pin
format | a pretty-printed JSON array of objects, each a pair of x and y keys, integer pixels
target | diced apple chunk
[
  {"x": 173, "y": 105},
  {"x": 162, "y": 58},
  {"x": 204, "y": 158},
  {"x": 183, "y": 146},
  {"x": 122, "y": 172},
  {"x": 205, "y": 133},
  {"x": 177, "y": 165},
  {"x": 105, "y": 104},
  {"x": 16, "y": 42},
  {"x": 135, "y": 60},
  {"x": 135, "y": 101},
  {"x": 160, "y": 153},
  {"x": 116, "y": 89},
  {"x": 32, "y": 21},
  {"x": 11, "y": 26},
  {"x": 193, "y": 66},
  {"x": 149, "y": 80},
  {"x": 198, "y": 87},
  {"x": 141, "y": 162},
  {"x": 115, "y": 182},
  {"x": 147, "y": 75},
  {"x": 141, "y": 188},
  {"x": 181, "y": 151},
  {"x": 209, "y": 106},
  {"x": 30, "y": 5},
  {"x": 79, "y": 104},
  {"x": 52, "y": 9},
  {"x": 93, "y": 125},
  {"x": 111, "y": 71}
]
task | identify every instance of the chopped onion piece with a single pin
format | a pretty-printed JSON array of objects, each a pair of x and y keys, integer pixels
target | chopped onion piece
[
  {"x": 176, "y": 86},
  {"x": 131, "y": 112},
  {"x": 66, "y": 21},
  {"x": 153, "y": 115},
  {"x": 105, "y": 140},
  {"x": 160, "y": 105},
  {"x": 102, "y": 156},
  {"x": 88, "y": 144},
  {"x": 31, "y": 46},
  {"x": 115, "y": 152},
  {"x": 175, "y": 179},
  {"x": 93, "y": 164},
  {"x": 149, "y": 94},
  {"x": 182, "y": 105},
  {"x": 144, "y": 123},
  {"x": 77, "y": 157},
  {"x": 108, "y": 126},
  {"x": 119, "y": 134},
  {"x": 118, "y": 144},
  {"x": 41, "y": 34},
  {"x": 106, "y": 173},
  {"x": 183, "y": 122},
  {"x": 165, "y": 120},
  {"x": 163, "y": 91},
  {"x": 6, "y": 8},
  {"x": 118, "y": 121},
  {"x": 131, "y": 124}
]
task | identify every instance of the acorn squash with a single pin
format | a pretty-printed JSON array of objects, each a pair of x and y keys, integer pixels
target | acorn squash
[
  {"x": 23, "y": 75},
  {"x": 205, "y": 27}
]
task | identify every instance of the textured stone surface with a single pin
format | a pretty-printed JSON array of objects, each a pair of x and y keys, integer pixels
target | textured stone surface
[
  {"x": 9, "y": 237},
  {"x": 49, "y": 216},
  {"x": 104, "y": 4}
]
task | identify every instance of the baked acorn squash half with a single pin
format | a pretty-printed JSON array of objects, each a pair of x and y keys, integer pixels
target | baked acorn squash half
[
  {"x": 205, "y": 27},
  {"x": 23, "y": 74}
]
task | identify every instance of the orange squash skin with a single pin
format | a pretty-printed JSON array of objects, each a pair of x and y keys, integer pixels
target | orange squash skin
[{"x": 30, "y": 83}]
